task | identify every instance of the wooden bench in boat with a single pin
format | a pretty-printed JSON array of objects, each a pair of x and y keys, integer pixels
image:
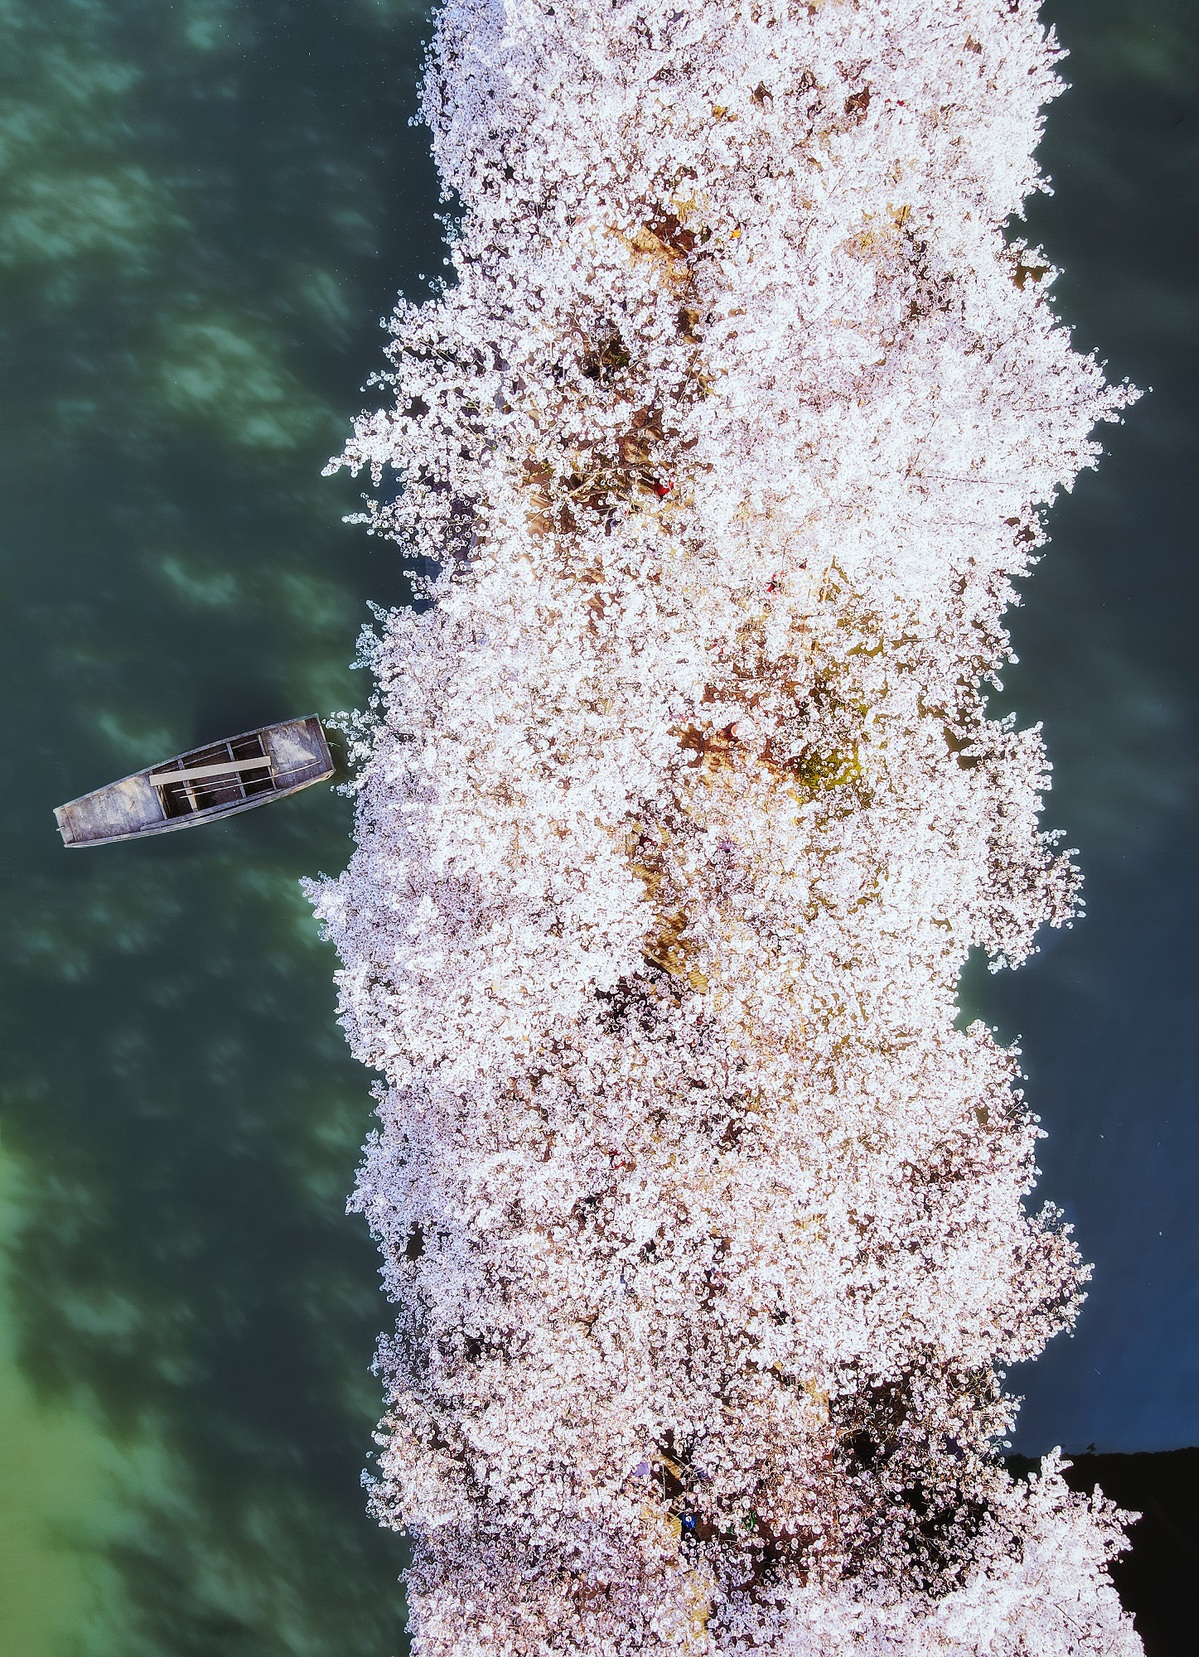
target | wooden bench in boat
[
  {"x": 196, "y": 771},
  {"x": 207, "y": 783}
]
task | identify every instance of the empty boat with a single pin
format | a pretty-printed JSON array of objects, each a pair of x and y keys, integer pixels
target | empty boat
[{"x": 201, "y": 786}]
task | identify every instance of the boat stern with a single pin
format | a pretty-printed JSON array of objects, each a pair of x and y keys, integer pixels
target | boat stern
[{"x": 124, "y": 808}]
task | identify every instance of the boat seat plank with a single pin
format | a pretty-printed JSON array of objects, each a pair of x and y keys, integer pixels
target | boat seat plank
[{"x": 199, "y": 771}]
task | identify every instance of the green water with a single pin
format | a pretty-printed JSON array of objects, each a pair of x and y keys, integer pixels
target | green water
[{"x": 204, "y": 209}]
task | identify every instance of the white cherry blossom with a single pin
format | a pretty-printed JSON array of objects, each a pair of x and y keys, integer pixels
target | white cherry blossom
[{"x": 705, "y": 1220}]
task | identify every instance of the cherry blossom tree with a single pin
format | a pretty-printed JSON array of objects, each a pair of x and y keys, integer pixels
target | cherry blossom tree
[{"x": 680, "y": 809}]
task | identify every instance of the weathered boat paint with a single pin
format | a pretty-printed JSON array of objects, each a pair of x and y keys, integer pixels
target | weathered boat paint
[{"x": 202, "y": 785}]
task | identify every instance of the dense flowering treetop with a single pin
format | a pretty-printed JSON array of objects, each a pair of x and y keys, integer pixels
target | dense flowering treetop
[{"x": 703, "y": 1216}]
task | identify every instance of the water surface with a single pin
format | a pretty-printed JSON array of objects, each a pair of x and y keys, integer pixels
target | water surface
[
  {"x": 1107, "y": 1014},
  {"x": 204, "y": 210}
]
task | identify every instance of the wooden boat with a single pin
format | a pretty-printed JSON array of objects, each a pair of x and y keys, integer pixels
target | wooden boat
[{"x": 201, "y": 786}]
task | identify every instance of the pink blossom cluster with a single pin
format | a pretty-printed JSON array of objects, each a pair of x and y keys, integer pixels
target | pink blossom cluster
[{"x": 703, "y": 1214}]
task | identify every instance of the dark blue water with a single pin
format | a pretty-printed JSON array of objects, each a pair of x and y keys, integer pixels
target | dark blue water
[
  {"x": 204, "y": 208},
  {"x": 1108, "y": 1015}
]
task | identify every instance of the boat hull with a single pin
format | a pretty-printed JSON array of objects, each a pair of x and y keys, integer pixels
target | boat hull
[{"x": 204, "y": 785}]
